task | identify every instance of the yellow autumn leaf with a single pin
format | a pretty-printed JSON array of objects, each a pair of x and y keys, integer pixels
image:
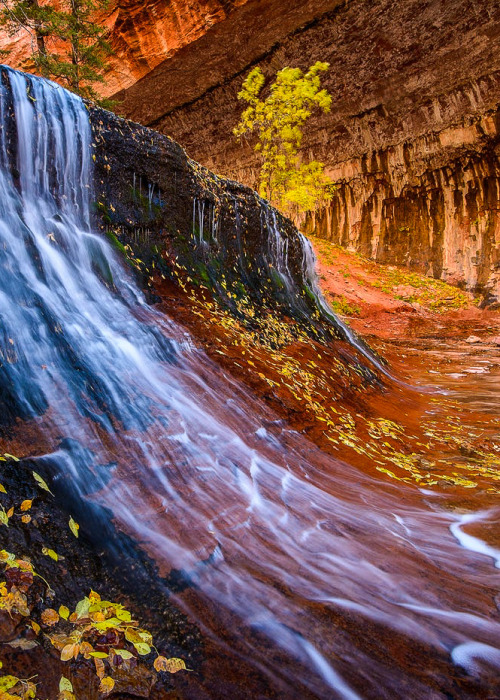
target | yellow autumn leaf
[
  {"x": 64, "y": 612},
  {"x": 74, "y": 527},
  {"x": 65, "y": 684},
  {"x": 69, "y": 651},
  {"x": 10, "y": 512},
  {"x": 50, "y": 553},
  {"x": 26, "y": 518},
  {"x": 171, "y": 665},
  {"x": 86, "y": 649},
  {"x": 2, "y": 489},
  {"x": 160, "y": 664},
  {"x": 131, "y": 635},
  {"x": 142, "y": 648},
  {"x": 124, "y": 653},
  {"x": 107, "y": 684},
  {"x": 41, "y": 482},
  {"x": 26, "y": 505}
]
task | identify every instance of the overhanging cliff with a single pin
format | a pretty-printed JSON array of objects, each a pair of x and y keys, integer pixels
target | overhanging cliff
[{"x": 412, "y": 139}]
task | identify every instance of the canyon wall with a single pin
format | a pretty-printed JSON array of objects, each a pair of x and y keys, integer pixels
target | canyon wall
[
  {"x": 412, "y": 139},
  {"x": 142, "y": 35}
]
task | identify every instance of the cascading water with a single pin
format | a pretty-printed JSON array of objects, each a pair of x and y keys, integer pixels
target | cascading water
[
  {"x": 312, "y": 570},
  {"x": 312, "y": 281}
]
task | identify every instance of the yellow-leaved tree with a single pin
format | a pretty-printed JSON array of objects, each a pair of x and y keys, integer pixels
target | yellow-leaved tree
[{"x": 277, "y": 122}]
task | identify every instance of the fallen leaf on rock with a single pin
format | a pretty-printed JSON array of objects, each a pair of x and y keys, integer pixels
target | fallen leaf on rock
[
  {"x": 107, "y": 684},
  {"x": 49, "y": 617},
  {"x": 24, "y": 644},
  {"x": 41, "y": 482},
  {"x": 171, "y": 665},
  {"x": 64, "y": 612},
  {"x": 70, "y": 651},
  {"x": 65, "y": 684},
  {"x": 50, "y": 553},
  {"x": 74, "y": 527}
]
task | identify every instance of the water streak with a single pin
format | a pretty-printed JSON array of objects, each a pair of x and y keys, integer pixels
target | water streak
[{"x": 295, "y": 546}]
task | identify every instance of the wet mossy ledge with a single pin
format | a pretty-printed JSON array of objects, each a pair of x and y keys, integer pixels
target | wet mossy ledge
[{"x": 166, "y": 213}]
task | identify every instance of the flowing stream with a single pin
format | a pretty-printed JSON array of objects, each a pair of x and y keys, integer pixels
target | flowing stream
[{"x": 319, "y": 580}]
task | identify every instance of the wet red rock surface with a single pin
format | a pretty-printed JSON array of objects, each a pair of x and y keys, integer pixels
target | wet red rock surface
[{"x": 320, "y": 544}]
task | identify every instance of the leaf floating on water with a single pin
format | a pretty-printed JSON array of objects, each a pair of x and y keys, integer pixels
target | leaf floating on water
[
  {"x": 10, "y": 512},
  {"x": 74, "y": 527},
  {"x": 41, "y": 483},
  {"x": 107, "y": 684},
  {"x": 26, "y": 519},
  {"x": 4, "y": 518},
  {"x": 26, "y": 505},
  {"x": 3, "y": 489},
  {"x": 8, "y": 456}
]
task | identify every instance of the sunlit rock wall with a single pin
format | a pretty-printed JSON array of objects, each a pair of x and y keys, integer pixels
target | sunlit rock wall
[
  {"x": 142, "y": 35},
  {"x": 432, "y": 203},
  {"x": 412, "y": 137}
]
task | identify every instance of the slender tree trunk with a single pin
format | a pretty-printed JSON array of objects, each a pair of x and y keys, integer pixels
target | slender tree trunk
[
  {"x": 40, "y": 38},
  {"x": 75, "y": 45}
]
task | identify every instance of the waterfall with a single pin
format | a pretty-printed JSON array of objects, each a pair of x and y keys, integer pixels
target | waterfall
[
  {"x": 284, "y": 543},
  {"x": 311, "y": 278}
]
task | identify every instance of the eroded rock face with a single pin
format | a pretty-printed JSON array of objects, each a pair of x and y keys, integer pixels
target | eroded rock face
[
  {"x": 412, "y": 139},
  {"x": 142, "y": 35}
]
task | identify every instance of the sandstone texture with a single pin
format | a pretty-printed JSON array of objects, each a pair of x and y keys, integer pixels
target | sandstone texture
[
  {"x": 412, "y": 139},
  {"x": 142, "y": 35}
]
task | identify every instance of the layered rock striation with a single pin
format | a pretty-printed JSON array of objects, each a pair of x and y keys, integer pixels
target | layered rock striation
[
  {"x": 412, "y": 139},
  {"x": 141, "y": 35}
]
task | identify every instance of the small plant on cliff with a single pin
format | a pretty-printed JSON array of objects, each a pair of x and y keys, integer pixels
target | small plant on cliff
[
  {"x": 278, "y": 121},
  {"x": 66, "y": 44}
]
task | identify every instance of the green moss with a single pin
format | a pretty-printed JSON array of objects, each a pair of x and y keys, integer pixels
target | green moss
[
  {"x": 342, "y": 306},
  {"x": 116, "y": 243},
  {"x": 429, "y": 292},
  {"x": 103, "y": 210}
]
